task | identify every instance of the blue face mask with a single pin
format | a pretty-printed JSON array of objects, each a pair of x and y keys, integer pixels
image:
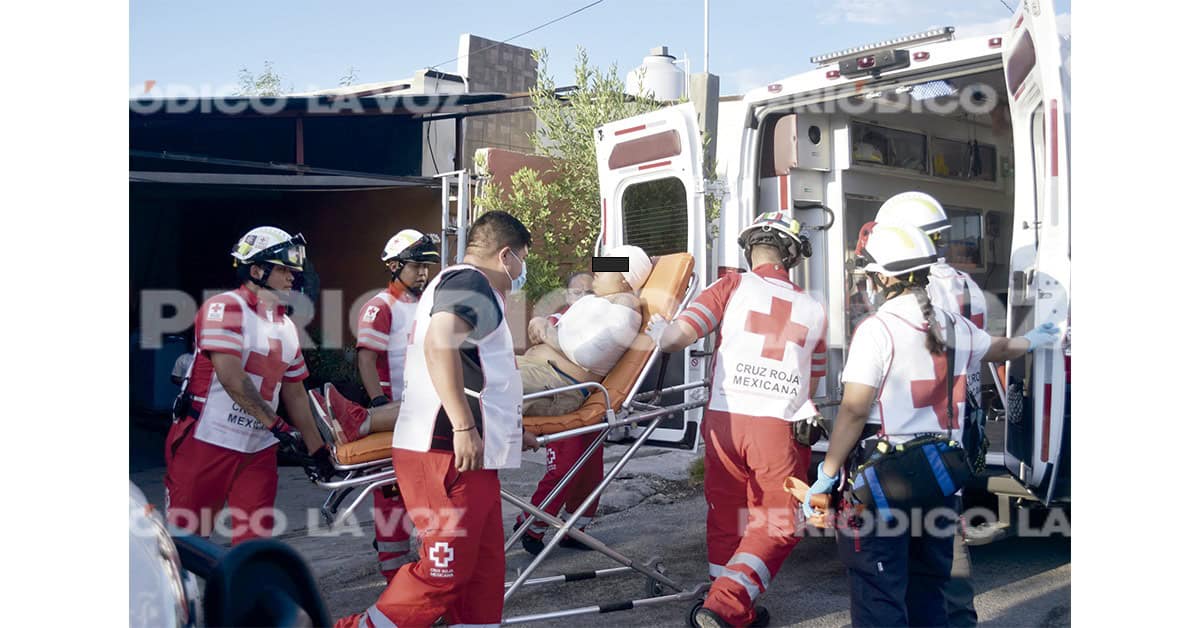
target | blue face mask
[{"x": 519, "y": 282}]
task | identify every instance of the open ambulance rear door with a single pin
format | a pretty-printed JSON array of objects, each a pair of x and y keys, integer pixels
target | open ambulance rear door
[
  {"x": 1037, "y": 72},
  {"x": 652, "y": 196}
]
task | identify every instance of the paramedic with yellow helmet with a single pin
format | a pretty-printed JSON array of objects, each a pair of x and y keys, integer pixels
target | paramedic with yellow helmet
[{"x": 770, "y": 350}]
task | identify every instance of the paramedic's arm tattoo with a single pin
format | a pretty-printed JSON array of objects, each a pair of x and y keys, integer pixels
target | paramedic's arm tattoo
[{"x": 241, "y": 388}]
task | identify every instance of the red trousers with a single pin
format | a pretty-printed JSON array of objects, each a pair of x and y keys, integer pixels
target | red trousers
[
  {"x": 561, "y": 455},
  {"x": 459, "y": 573},
  {"x": 202, "y": 477},
  {"x": 751, "y": 518},
  {"x": 391, "y": 533}
]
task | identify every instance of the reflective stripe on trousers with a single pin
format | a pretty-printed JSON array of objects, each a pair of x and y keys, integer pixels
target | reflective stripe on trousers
[{"x": 717, "y": 571}]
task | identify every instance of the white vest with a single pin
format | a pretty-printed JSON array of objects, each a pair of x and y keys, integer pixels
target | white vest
[
  {"x": 499, "y": 401},
  {"x": 912, "y": 399},
  {"x": 952, "y": 290},
  {"x": 403, "y": 312},
  {"x": 768, "y": 334},
  {"x": 222, "y": 421}
]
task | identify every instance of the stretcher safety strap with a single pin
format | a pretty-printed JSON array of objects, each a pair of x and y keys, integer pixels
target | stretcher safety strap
[{"x": 881, "y": 503}]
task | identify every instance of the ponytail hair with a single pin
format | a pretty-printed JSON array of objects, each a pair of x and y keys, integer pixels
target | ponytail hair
[{"x": 915, "y": 283}]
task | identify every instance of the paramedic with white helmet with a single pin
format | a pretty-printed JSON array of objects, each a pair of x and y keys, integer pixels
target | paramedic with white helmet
[
  {"x": 221, "y": 447},
  {"x": 770, "y": 351},
  {"x": 384, "y": 325},
  {"x": 897, "y": 391},
  {"x": 954, "y": 291}
]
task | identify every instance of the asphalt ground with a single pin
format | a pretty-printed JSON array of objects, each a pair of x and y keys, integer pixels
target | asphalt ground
[{"x": 653, "y": 511}]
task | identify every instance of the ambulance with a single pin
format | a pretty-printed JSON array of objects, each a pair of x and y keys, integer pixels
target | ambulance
[{"x": 981, "y": 123}]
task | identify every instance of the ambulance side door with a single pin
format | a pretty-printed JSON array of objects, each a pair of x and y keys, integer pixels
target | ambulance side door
[
  {"x": 652, "y": 196},
  {"x": 1037, "y": 73}
]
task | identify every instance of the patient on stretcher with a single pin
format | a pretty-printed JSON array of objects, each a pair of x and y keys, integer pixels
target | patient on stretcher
[
  {"x": 588, "y": 340},
  {"x": 584, "y": 345}
]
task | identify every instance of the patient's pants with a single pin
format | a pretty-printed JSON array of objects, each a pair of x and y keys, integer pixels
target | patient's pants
[
  {"x": 537, "y": 376},
  {"x": 751, "y": 518},
  {"x": 560, "y": 457}
]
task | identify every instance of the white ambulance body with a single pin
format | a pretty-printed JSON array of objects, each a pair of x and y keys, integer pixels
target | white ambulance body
[{"x": 979, "y": 123}]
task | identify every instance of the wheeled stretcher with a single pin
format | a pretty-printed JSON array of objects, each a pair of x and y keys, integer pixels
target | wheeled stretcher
[{"x": 365, "y": 464}]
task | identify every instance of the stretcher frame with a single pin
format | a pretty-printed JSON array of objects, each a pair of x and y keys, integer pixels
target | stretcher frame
[{"x": 363, "y": 478}]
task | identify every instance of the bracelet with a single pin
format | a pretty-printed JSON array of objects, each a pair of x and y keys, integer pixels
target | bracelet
[{"x": 465, "y": 429}]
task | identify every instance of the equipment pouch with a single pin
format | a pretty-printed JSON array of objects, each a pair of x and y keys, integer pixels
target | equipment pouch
[{"x": 918, "y": 474}]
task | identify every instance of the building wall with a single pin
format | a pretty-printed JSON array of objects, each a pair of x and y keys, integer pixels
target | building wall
[{"x": 500, "y": 68}]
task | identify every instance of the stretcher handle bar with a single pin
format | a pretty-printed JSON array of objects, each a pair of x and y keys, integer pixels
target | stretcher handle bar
[
  {"x": 628, "y": 420},
  {"x": 693, "y": 282},
  {"x": 608, "y": 608},
  {"x": 558, "y": 488},
  {"x": 673, "y": 389},
  {"x": 568, "y": 527},
  {"x": 360, "y": 466},
  {"x": 358, "y": 481},
  {"x": 576, "y": 577},
  {"x": 580, "y": 386}
]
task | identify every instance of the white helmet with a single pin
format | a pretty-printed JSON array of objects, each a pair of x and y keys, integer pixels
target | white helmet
[
  {"x": 411, "y": 245},
  {"x": 780, "y": 230},
  {"x": 892, "y": 250},
  {"x": 270, "y": 245},
  {"x": 914, "y": 208}
]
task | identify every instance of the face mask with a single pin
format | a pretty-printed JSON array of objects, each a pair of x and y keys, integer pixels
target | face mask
[{"x": 519, "y": 282}]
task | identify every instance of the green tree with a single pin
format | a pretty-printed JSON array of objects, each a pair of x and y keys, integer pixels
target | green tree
[
  {"x": 564, "y": 213},
  {"x": 266, "y": 83}
]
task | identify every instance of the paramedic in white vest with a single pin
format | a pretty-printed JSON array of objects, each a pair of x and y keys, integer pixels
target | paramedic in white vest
[
  {"x": 450, "y": 445},
  {"x": 582, "y": 345},
  {"x": 896, "y": 387},
  {"x": 384, "y": 325},
  {"x": 770, "y": 351},
  {"x": 954, "y": 291},
  {"x": 247, "y": 359}
]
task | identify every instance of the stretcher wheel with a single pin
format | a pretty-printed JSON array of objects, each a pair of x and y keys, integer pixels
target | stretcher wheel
[{"x": 692, "y": 614}]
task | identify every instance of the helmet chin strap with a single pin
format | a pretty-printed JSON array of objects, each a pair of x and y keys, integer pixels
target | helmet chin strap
[
  {"x": 396, "y": 278},
  {"x": 267, "y": 269}
]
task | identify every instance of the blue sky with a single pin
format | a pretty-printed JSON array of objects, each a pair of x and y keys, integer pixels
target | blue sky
[{"x": 202, "y": 45}]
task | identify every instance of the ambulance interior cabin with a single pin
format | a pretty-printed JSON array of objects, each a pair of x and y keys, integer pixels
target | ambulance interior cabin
[{"x": 950, "y": 138}]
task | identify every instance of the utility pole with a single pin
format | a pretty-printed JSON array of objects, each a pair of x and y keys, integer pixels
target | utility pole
[{"x": 706, "y": 36}]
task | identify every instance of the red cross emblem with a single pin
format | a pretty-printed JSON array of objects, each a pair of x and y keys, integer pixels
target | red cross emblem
[
  {"x": 441, "y": 554},
  {"x": 269, "y": 367},
  {"x": 932, "y": 393},
  {"x": 776, "y": 328}
]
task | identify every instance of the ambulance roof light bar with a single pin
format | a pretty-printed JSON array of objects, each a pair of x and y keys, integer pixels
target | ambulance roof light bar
[{"x": 946, "y": 33}]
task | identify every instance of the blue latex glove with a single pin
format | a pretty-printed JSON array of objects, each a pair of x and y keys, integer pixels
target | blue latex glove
[
  {"x": 1045, "y": 334},
  {"x": 824, "y": 484}
]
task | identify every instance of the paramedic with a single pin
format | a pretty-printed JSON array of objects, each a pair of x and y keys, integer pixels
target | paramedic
[
  {"x": 383, "y": 327},
  {"x": 449, "y": 450},
  {"x": 770, "y": 350},
  {"x": 953, "y": 291},
  {"x": 582, "y": 345},
  {"x": 896, "y": 368},
  {"x": 248, "y": 359}
]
